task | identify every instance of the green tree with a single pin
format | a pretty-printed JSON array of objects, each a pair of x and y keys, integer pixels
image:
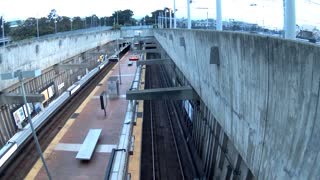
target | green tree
[
  {"x": 77, "y": 23},
  {"x": 45, "y": 27},
  {"x": 124, "y": 17},
  {"x": 26, "y": 30},
  {"x": 6, "y": 27},
  {"x": 64, "y": 24}
]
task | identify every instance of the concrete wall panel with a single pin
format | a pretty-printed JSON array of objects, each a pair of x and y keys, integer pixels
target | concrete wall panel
[
  {"x": 264, "y": 93},
  {"x": 47, "y": 52}
]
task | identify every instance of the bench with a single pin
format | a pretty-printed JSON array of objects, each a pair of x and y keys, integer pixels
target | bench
[{"x": 89, "y": 144}]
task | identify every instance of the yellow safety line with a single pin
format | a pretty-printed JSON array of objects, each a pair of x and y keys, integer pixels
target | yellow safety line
[
  {"x": 135, "y": 159},
  {"x": 48, "y": 151}
]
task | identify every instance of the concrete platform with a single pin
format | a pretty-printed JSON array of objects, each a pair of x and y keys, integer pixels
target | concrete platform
[{"x": 60, "y": 154}]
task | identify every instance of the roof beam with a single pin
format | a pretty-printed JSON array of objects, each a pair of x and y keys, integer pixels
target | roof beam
[
  {"x": 150, "y": 45},
  {"x": 61, "y": 67},
  {"x": 147, "y": 51},
  {"x": 12, "y": 98},
  {"x": 153, "y": 61},
  {"x": 172, "y": 93}
]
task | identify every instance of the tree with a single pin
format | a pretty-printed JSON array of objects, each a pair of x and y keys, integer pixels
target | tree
[
  {"x": 6, "y": 27},
  {"x": 124, "y": 17},
  {"x": 64, "y": 24},
  {"x": 26, "y": 30},
  {"x": 53, "y": 15},
  {"x": 77, "y": 23},
  {"x": 44, "y": 26}
]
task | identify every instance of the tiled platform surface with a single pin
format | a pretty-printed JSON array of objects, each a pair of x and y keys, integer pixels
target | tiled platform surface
[{"x": 61, "y": 153}]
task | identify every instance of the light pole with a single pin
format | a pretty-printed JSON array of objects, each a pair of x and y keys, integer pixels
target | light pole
[
  {"x": 165, "y": 18},
  {"x": 2, "y": 25},
  {"x": 37, "y": 28},
  {"x": 117, "y": 18},
  {"x": 162, "y": 20},
  {"x": 28, "y": 74},
  {"x": 219, "y": 15},
  {"x": 170, "y": 18},
  {"x": 119, "y": 60},
  {"x": 174, "y": 13},
  {"x": 207, "y": 20},
  {"x": 189, "y": 18},
  {"x": 71, "y": 23},
  {"x": 55, "y": 26},
  {"x": 290, "y": 19}
]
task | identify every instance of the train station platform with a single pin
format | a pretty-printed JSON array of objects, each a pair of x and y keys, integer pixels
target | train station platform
[{"x": 60, "y": 155}]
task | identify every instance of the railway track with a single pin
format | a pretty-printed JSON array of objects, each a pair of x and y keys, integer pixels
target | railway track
[
  {"x": 27, "y": 157},
  {"x": 164, "y": 153}
]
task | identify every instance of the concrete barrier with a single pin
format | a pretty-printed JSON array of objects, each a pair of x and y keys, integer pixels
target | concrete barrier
[
  {"x": 43, "y": 53},
  {"x": 263, "y": 91}
]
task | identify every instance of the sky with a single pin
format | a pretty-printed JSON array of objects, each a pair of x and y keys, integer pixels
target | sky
[{"x": 265, "y": 12}]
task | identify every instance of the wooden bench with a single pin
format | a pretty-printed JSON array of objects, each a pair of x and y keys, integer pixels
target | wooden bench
[{"x": 89, "y": 144}]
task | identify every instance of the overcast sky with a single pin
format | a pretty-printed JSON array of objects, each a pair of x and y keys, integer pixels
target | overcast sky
[{"x": 266, "y": 12}]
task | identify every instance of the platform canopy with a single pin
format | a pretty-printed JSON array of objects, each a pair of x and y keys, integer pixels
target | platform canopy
[
  {"x": 172, "y": 93},
  {"x": 154, "y": 61},
  {"x": 12, "y": 98}
]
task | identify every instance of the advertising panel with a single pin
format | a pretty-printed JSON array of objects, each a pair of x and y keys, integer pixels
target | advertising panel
[
  {"x": 51, "y": 91},
  {"x": 30, "y": 108},
  {"x": 19, "y": 116},
  {"x": 46, "y": 95}
]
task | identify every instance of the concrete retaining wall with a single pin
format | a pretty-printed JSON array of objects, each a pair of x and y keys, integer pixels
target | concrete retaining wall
[
  {"x": 264, "y": 93},
  {"x": 47, "y": 52},
  {"x": 136, "y": 33}
]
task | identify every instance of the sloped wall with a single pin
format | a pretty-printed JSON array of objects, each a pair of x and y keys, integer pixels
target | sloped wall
[
  {"x": 264, "y": 93},
  {"x": 30, "y": 55}
]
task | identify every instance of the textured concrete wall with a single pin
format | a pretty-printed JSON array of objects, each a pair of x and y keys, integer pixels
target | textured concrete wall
[
  {"x": 136, "y": 33},
  {"x": 47, "y": 52},
  {"x": 264, "y": 93}
]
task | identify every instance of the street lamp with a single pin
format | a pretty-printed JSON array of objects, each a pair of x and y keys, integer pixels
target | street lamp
[
  {"x": 174, "y": 13},
  {"x": 189, "y": 18},
  {"x": 71, "y": 23},
  {"x": 290, "y": 19},
  {"x": 20, "y": 75},
  {"x": 55, "y": 26},
  {"x": 2, "y": 25},
  {"x": 170, "y": 10},
  {"x": 119, "y": 60},
  {"x": 219, "y": 15},
  {"x": 37, "y": 28},
  {"x": 165, "y": 17}
]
